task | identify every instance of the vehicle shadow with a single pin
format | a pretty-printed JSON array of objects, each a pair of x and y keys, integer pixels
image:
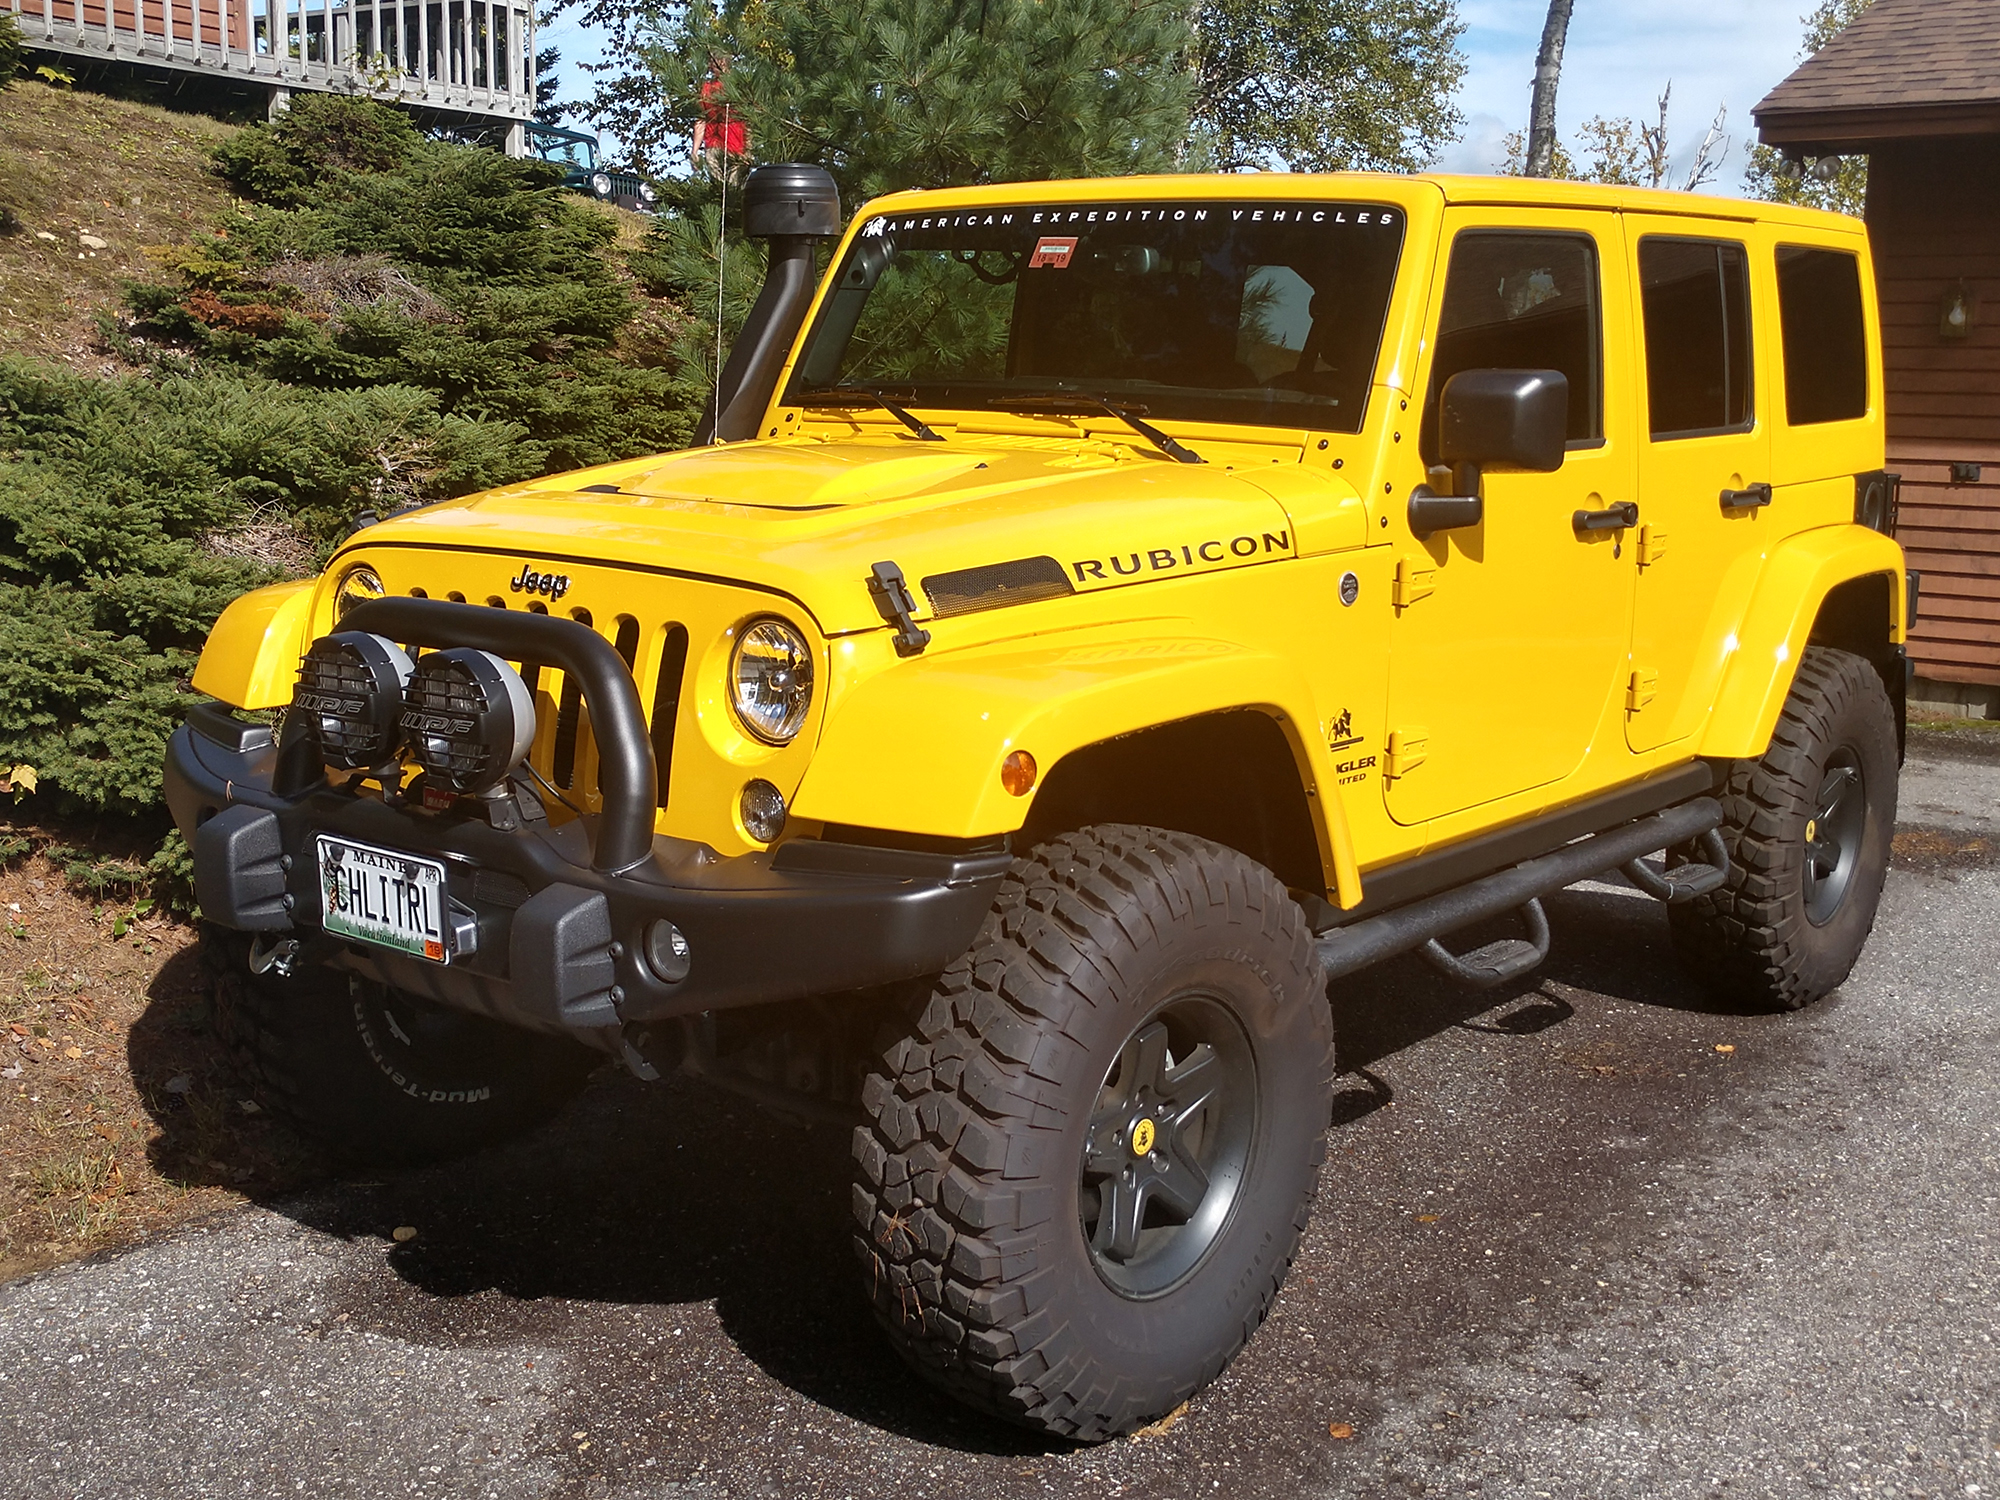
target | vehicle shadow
[{"x": 676, "y": 1194}]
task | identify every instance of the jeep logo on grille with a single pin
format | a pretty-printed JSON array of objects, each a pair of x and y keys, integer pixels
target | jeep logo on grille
[{"x": 548, "y": 585}]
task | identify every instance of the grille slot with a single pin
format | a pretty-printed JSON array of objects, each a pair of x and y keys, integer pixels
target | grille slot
[{"x": 667, "y": 701}]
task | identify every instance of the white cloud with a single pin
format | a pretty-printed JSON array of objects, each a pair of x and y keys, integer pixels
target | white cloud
[{"x": 1483, "y": 147}]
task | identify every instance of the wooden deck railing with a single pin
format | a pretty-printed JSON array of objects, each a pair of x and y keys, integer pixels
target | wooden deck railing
[{"x": 467, "y": 56}]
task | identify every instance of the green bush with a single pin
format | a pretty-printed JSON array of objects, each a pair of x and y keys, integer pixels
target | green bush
[
  {"x": 132, "y": 511},
  {"x": 11, "y": 49},
  {"x": 384, "y": 321},
  {"x": 386, "y": 259}
]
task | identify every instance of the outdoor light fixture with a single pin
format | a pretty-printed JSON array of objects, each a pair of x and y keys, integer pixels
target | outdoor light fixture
[{"x": 1955, "y": 312}]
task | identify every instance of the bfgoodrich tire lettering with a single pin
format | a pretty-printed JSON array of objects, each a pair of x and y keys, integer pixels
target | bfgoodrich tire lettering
[
  {"x": 973, "y": 1200},
  {"x": 375, "y": 1075},
  {"x": 1808, "y": 828}
]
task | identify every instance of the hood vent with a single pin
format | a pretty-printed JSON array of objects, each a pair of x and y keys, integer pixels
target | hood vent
[{"x": 995, "y": 586}]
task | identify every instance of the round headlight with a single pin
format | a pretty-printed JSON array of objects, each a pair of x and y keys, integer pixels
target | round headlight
[
  {"x": 468, "y": 718},
  {"x": 351, "y": 687},
  {"x": 771, "y": 681},
  {"x": 600, "y": 184},
  {"x": 357, "y": 586},
  {"x": 646, "y": 193}
]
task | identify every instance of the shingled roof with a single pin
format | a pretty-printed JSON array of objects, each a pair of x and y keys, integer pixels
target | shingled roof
[{"x": 1901, "y": 68}]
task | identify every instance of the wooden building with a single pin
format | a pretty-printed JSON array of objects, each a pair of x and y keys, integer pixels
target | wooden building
[
  {"x": 1915, "y": 85},
  {"x": 459, "y": 62}
]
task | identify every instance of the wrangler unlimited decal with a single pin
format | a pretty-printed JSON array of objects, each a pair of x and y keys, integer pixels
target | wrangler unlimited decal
[{"x": 1188, "y": 557}]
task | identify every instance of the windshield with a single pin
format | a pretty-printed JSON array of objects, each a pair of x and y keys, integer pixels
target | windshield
[
  {"x": 1255, "y": 312},
  {"x": 565, "y": 150}
]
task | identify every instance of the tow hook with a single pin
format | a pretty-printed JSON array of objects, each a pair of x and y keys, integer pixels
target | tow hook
[{"x": 280, "y": 958}]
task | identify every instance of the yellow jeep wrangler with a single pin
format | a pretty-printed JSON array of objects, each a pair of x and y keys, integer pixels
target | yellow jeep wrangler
[{"x": 1097, "y": 615}]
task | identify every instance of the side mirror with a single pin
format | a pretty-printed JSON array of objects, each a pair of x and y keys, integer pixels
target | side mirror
[{"x": 1518, "y": 418}]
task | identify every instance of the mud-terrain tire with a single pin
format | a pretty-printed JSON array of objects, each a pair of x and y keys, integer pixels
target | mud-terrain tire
[
  {"x": 1020, "y": 1247},
  {"x": 1808, "y": 828},
  {"x": 374, "y": 1075}
]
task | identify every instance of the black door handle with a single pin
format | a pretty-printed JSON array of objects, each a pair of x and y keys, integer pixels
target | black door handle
[
  {"x": 1748, "y": 498},
  {"x": 1613, "y": 518}
]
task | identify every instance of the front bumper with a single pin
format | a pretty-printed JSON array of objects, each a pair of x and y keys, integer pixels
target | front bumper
[{"x": 552, "y": 929}]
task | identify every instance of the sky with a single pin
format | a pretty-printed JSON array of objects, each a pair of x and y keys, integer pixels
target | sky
[{"x": 1621, "y": 54}]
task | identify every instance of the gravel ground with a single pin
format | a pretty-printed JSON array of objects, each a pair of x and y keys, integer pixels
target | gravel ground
[{"x": 1585, "y": 1238}]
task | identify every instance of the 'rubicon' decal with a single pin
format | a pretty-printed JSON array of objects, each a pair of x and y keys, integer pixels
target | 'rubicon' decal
[{"x": 1186, "y": 557}]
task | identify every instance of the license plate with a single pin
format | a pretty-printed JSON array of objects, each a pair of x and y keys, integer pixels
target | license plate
[{"x": 380, "y": 896}]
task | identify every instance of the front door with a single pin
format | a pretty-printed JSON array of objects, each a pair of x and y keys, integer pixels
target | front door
[
  {"x": 1510, "y": 637},
  {"x": 1704, "y": 452}
]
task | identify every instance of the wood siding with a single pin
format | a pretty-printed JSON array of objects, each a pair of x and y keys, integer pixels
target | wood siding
[{"x": 1933, "y": 220}]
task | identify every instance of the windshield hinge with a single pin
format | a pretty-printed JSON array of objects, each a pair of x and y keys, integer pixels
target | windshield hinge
[{"x": 892, "y": 599}]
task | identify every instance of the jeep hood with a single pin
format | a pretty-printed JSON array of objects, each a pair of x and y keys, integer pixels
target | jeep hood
[{"x": 810, "y": 519}]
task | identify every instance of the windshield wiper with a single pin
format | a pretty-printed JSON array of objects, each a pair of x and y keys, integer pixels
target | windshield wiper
[
  {"x": 817, "y": 397},
  {"x": 1131, "y": 416}
]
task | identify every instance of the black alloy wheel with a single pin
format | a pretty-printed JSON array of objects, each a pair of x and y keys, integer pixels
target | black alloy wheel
[
  {"x": 1808, "y": 826},
  {"x": 1834, "y": 835},
  {"x": 1168, "y": 1146},
  {"x": 1085, "y": 1166}
]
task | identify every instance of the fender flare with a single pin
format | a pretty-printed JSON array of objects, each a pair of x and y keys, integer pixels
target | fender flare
[
  {"x": 918, "y": 747},
  {"x": 1801, "y": 571},
  {"x": 252, "y": 655}
]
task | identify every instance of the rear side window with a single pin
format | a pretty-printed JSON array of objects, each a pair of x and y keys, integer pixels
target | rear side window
[
  {"x": 1522, "y": 302},
  {"x": 1695, "y": 295},
  {"x": 1826, "y": 349}
]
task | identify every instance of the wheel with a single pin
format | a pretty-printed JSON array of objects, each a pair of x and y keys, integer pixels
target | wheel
[
  {"x": 1083, "y": 1173},
  {"x": 1808, "y": 829},
  {"x": 377, "y": 1075}
]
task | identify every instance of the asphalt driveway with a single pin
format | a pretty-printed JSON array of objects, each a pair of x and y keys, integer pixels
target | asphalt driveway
[{"x": 1587, "y": 1237}]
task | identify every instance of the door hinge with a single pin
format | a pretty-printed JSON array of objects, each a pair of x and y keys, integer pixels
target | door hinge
[
  {"x": 1407, "y": 750},
  {"x": 1652, "y": 545},
  {"x": 1641, "y": 690},
  {"x": 1415, "y": 579}
]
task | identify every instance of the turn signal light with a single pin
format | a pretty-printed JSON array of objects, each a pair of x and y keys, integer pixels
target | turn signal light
[{"x": 1017, "y": 773}]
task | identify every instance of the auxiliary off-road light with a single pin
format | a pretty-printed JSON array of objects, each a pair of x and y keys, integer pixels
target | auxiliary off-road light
[
  {"x": 468, "y": 719},
  {"x": 667, "y": 951},
  {"x": 763, "y": 809},
  {"x": 351, "y": 687},
  {"x": 771, "y": 680}
]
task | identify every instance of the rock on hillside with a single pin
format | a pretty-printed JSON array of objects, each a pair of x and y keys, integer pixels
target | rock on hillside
[{"x": 86, "y": 184}]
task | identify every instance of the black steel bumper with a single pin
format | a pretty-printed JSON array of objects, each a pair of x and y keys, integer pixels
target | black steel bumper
[{"x": 548, "y": 936}]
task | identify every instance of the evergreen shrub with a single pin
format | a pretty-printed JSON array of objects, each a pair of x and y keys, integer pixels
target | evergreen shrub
[{"x": 384, "y": 321}]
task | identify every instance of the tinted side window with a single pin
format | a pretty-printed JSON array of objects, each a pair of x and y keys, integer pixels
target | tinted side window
[
  {"x": 1522, "y": 302},
  {"x": 1826, "y": 349},
  {"x": 1696, "y": 299}
]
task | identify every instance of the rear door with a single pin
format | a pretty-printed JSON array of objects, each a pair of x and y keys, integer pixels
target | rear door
[{"x": 1704, "y": 452}]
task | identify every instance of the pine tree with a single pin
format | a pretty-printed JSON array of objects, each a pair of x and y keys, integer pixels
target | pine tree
[
  {"x": 1844, "y": 188},
  {"x": 926, "y": 93},
  {"x": 1328, "y": 85}
]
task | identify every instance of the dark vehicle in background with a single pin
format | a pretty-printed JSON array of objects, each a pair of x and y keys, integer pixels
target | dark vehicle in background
[{"x": 575, "y": 151}]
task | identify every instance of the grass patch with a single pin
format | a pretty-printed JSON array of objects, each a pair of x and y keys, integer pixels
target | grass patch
[{"x": 132, "y": 175}]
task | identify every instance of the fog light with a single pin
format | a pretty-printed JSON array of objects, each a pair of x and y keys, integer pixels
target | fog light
[
  {"x": 763, "y": 809},
  {"x": 351, "y": 687},
  {"x": 468, "y": 717},
  {"x": 667, "y": 951}
]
